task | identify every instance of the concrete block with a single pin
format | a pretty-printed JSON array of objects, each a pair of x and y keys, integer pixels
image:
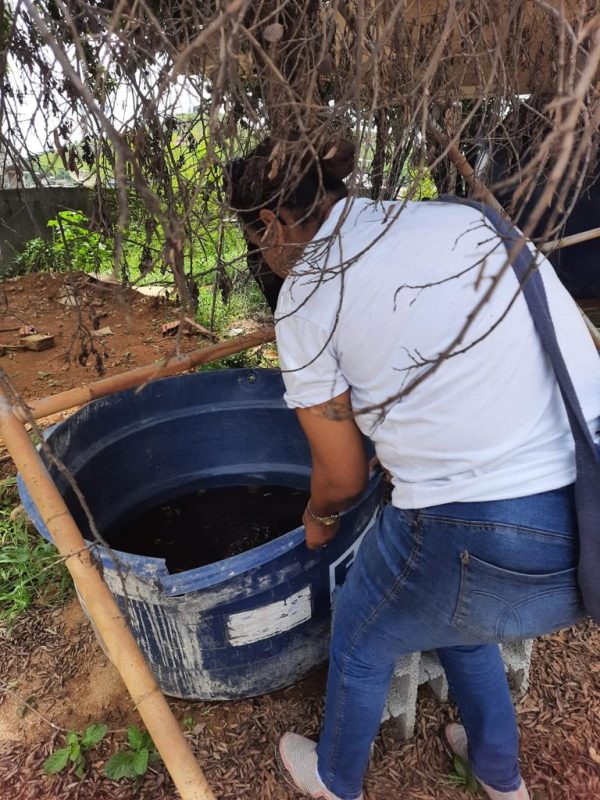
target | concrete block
[
  {"x": 420, "y": 668},
  {"x": 432, "y": 673},
  {"x": 401, "y": 704},
  {"x": 517, "y": 660}
]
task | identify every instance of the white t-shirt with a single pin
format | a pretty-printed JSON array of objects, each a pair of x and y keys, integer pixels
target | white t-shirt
[{"x": 489, "y": 422}]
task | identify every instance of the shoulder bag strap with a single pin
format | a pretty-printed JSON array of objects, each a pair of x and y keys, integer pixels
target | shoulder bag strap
[{"x": 587, "y": 483}]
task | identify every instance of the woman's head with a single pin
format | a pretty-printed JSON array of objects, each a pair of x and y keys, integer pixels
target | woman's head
[{"x": 282, "y": 192}]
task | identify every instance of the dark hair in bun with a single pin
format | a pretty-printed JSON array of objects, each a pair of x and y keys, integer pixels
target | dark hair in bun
[{"x": 288, "y": 173}]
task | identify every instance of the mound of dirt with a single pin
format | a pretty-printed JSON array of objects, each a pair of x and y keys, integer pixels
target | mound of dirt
[{"x": 53, "y": 669}]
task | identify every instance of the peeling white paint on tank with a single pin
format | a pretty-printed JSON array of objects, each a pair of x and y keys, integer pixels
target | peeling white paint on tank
[{"x": 247, "y": 627}]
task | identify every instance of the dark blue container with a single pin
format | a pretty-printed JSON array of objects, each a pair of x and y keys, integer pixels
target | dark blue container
[{"x": 245, "y": 625}]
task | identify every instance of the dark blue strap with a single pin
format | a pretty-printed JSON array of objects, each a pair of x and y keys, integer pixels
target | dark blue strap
[{"x": 587, "y": 483}]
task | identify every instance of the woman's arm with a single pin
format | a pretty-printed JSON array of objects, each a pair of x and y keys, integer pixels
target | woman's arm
[{"x": 339, "y": 463}]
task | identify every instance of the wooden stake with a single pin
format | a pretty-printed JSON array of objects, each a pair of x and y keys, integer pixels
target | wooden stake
[
  {"x": 104, "y": 612},
  {"x": 137, "y": 377}
]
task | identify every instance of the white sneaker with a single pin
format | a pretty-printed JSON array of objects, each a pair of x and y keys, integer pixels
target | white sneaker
[
  {"x": 298, "y": 756},
  {"x": 455, "y": 740}
]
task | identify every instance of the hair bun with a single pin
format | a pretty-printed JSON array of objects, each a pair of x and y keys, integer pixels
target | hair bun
[{"x": 338, "y": 159}]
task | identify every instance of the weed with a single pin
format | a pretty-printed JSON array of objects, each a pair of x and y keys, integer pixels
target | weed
[
  {"x": 133, "y": 762},
  {"x": 75, "y": 246},
  {"x": 72, "y": 246},
  {"x": 8, "y": 491},
  {"x": 244, "y": 301},
  {"x": 36, "y": 256},
  {"x": 74, "y": 752},
  {"x": 247, "y": 359},
  {"x": 31, "y": 571},
  {"x": 462, "y": 776}
]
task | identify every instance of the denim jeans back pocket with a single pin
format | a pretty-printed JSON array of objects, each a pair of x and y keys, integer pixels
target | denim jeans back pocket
[{"x": 496, "y": 604}]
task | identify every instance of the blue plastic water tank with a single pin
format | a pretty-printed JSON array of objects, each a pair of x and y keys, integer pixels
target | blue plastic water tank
[{"x": 243, "y": 626}]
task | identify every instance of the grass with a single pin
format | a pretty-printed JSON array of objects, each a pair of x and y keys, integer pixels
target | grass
[
  {"x": 31, "y": 571},
  {"x": 244, "y": 302}
]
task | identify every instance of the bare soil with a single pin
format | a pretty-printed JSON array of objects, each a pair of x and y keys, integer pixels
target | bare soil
[
  {"x": 134, "y": 320},
  {"x": 52, "y": 665}
]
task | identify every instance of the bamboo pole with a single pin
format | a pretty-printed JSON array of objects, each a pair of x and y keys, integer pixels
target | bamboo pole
[
  {"x": 594, "y": 332},
  {"x": 569, "y": 241},
  {"x": 104, "y": 612},
  {"x": 137, "y": 377}
]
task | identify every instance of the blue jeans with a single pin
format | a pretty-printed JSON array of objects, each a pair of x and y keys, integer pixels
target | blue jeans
[{"x": 457, "y": 578}]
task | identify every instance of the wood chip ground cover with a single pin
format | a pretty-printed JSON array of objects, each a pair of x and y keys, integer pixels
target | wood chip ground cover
[{"x": 53, "y": 657}]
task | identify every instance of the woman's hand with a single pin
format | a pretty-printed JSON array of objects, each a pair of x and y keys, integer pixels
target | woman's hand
[
  {"x": 318, "y": 534},
  {"x": 339, "y": 464}
]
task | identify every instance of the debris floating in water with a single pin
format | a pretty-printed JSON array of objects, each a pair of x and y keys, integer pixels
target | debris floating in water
[{"x": 208, "y": 525}]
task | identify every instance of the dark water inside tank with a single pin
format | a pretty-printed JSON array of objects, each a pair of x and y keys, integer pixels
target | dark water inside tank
[{"x": 208, "y": 525}]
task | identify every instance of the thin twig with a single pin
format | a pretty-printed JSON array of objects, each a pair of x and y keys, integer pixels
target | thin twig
[{"x": 7, "y": 690}]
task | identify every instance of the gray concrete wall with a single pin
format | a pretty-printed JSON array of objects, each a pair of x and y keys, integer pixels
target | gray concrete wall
[{"x": 25, "y": 212}]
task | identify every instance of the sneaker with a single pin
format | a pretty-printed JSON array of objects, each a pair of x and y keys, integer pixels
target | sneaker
[
  {"x": 298, "y": 757},
  {"x": 454, "y": 738}
]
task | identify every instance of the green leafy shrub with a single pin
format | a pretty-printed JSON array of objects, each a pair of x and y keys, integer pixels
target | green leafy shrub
[
  {"x": 133, "y": 762},
  {"x": 36, "y": 256},
  {"x": 72, "y": 246},
  {"x": 76, "y": 247}
]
